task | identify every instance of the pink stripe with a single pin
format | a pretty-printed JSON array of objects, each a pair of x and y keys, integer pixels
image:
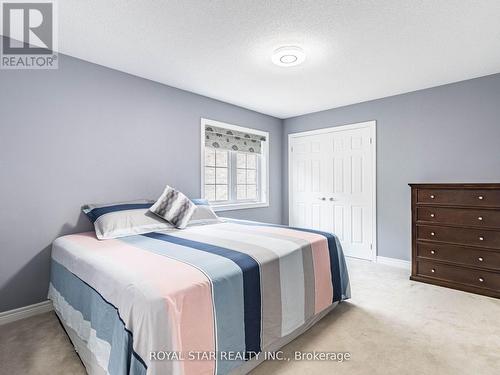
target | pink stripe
[
  {"x": 185, "y": 290},
  {"x": 323, "y": 289}
]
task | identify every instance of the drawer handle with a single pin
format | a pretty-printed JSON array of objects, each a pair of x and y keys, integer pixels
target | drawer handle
[
  {"x": 433, "y": 252},
  {"x": 480, "y": 259},
  {"x": 480, "y": 197},
  {"x": 433, "y": 270},
  {"x": 433, "y": 234},
  {"x": 480, "y": 218},
  {"x": 432, "y": 215},
  {"x": 481, "y": 238},
  {"x": 432, "y": 196},
  {"x": 481, "y": 280}
]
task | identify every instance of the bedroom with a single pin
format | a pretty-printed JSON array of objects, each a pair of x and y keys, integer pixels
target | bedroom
[{"x": 222, "y": 187}]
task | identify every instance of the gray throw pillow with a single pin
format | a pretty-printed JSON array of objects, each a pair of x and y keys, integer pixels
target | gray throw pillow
[{"x": 174, "y": 207}]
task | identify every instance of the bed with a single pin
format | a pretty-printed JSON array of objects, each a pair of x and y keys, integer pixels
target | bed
[{"x": 209, "y": 299}]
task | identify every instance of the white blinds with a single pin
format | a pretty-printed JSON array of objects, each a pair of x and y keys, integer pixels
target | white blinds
[{"x": 227, "y": 139}]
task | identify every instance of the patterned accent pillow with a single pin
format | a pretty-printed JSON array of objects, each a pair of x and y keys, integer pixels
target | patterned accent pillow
[{"x": 174, "y": 207}]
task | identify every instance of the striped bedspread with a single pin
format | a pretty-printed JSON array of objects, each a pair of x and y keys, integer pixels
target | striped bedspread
[{"x": 203, "y": 300}]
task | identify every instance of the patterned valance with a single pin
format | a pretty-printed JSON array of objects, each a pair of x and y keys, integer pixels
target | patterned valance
[{"x": 233, "y": 140}]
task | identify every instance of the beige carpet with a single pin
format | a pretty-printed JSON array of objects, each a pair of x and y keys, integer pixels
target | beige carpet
[{"x": 391, "y": 326}]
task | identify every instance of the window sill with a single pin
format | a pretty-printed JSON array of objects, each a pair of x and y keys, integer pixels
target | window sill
[{"x": 238, "y": 206}]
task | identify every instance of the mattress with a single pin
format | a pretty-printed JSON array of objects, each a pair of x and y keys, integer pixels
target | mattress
[{"x": 208, "y": 299}]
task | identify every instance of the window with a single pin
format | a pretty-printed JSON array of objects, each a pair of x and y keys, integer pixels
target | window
[
  {"x": 246, "y": 176},
  {"x": 216, "y": 174},
  {"x": 234, "y": 166}
]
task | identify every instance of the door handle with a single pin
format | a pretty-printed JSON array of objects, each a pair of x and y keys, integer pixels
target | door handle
[
  {"x": 332, "y": 199},
  {"x": 322, "y": 198}
]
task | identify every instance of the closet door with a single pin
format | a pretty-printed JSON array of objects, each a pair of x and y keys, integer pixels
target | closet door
[
  {"x": 309, "y": 183},
  {"x": 332, "y": 186}
]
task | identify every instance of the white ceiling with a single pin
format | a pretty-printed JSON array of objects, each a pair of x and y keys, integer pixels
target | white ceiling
[{"x": 356, "y": 50}]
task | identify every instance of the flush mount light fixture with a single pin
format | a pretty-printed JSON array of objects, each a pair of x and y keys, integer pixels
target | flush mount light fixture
[{"x": 288, "y": 56}]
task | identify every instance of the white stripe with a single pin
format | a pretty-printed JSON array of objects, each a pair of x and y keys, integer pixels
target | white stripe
[{"x": 74, "y": 320}]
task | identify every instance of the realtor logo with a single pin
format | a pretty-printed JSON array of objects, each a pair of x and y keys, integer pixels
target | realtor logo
[{"x": 29, "y": 31}]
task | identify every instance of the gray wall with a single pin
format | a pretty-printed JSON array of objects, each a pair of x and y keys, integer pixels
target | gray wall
[
  {"x": 85, "y": 133},
  {"x": 445, "y": 134}
]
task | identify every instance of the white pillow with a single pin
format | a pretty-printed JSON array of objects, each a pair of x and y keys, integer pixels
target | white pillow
[
  {"x": 204, "y": 214},
  {"x": 114, "y": 220},
  {"x": 174, "y": 207}
]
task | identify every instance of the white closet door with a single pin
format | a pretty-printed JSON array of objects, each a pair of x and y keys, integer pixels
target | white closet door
[
  {"x": 309, "y": 171},
  {"x": 332, "y": 186}
]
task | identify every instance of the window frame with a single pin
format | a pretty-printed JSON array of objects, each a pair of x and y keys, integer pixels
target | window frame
[{"x": 262, "y": 170}]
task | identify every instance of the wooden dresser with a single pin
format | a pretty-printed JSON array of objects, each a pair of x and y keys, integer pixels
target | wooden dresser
[{"x": 456, "y": 236}]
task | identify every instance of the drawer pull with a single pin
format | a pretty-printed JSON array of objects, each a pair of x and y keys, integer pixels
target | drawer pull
[
  {"x": 432, "y": 215},
  {"x": 481, "y": 238},
  {"x": 480, "y": 218},
  {"x": 433, "y": 252},
  {"x": 432, "y": 196},
  {"x": 433, "y": 270},
  {"x": 480, "y": 197},
  {"x": 433, "y": 234},
  {"x": 481, "y": 280},
  {"x": 480, "y": 259}
]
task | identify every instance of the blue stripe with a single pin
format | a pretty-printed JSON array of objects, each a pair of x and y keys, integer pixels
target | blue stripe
[
  {"x": 335, "y": 268},
  {"x": 251, "y": 284},
  {"x": 103, "y": 317},
  {"x": 200, "y": 202},
  {"x": 94, "y": 214}
]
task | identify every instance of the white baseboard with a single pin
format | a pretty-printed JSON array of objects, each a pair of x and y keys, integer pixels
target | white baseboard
[
  {"x": 393, "y": 262},
  {"x": 25, "y": 312}
]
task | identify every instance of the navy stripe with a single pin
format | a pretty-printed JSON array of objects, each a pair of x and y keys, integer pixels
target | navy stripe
[
  {"x": 332, "y": 249},
  {"x": 94, "y": 214},
  {"x": 251, "y": 284}
]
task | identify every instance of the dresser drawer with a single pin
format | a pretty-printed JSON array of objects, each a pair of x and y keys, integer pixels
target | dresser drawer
[
  {"x": 460, "y": 255},
  {"x": 460, "y": 216},
  {"x": 460, "y": 197},
  {"x": 456, "y": 274},
  {"x": 461, "y": 236}
]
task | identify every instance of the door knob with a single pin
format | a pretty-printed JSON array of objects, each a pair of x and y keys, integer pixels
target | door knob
[
  {"x": 332, "y": 199},
  {"x": 323, "y": 198}
]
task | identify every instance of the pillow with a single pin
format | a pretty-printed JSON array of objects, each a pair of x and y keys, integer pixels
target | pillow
[
  {"x": 174, "y": 207},
  {"x": 204, "y": 214},
  {"x": 114, "y": 220}
]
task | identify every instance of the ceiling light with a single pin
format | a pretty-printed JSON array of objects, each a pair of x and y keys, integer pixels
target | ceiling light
[{"x": 288, "y": 56}]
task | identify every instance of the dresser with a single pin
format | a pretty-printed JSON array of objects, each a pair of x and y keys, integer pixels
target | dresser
[{"x": 456, "y": 236}]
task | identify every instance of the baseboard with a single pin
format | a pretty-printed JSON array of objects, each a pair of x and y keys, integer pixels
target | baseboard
[
  {"x": 393, "y": 262},
  {"x": 25, "y": 312}
]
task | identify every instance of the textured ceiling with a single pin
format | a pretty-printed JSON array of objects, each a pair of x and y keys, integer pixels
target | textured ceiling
[{"x": 356, "y": 50}]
